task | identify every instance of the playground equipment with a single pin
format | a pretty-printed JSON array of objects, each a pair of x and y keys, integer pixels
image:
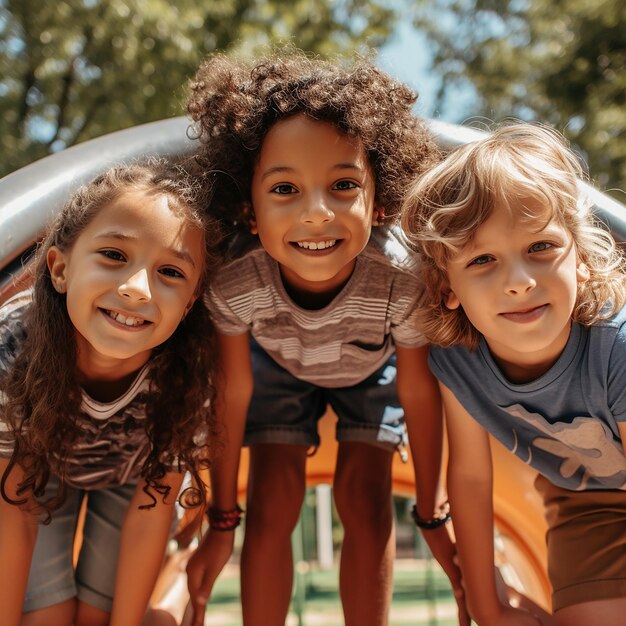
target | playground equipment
[{"x": 30, "y": 196}]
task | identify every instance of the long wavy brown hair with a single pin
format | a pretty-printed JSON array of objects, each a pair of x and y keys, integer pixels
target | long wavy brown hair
[
  {"x": 234, "y": 103},
  {"x": 44, "y": 397}
]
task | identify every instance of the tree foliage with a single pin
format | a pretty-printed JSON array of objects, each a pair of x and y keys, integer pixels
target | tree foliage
[
  {"x": 75, "y": 69},
  {"x": 562, "y": 62}
]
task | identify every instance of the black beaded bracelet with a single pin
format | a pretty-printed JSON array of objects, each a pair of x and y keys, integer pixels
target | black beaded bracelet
[{"x": 434, "y": 522}]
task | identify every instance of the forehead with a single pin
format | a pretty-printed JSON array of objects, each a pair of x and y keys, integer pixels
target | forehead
[
  {"x": 145, "y": 216},
  {"x": 524, "y": 216},
  {"x": 290, "y": 139}
]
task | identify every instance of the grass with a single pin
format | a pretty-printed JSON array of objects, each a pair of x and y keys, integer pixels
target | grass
[{"x": 421, "y": 595}]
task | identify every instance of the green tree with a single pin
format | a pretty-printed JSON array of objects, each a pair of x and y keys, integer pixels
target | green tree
[
  {"x": 562, "y": 62},
  {"x": 75, "y": 69}
]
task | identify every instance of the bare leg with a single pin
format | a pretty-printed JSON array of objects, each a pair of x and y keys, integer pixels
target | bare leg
[
  {"x": 158, "y": 617},
  {"x": 61, "y": 614},
  {"x": 87, "y": 615},
  {"x": 276, "y": 486},
  {"x": 604, "y": 612},
  {"x": 363, "y": 498}
]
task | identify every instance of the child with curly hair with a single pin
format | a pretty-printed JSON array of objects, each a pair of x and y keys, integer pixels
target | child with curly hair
[
  {"x": 104, "y": 367},
  {"x": 307, "y": 160},
  {"x": 525, "y": 296}
]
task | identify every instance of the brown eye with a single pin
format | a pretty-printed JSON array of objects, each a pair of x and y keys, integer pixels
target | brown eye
[
  {"x": 284, "y": 189},
  {"x": 345, "y": 185},
  {"x": 113, "y": 255}
]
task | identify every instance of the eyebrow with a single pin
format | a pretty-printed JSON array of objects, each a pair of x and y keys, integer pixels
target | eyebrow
[
  {"x": 280, "y": 169},
  {"x": 183, "y": 255}
]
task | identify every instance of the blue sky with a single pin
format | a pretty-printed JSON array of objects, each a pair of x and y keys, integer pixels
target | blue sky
[{"x": 407, "y": 57}]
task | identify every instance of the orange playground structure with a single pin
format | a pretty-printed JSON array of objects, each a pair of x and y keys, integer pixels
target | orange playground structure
[{"x": 520, "y": 545}]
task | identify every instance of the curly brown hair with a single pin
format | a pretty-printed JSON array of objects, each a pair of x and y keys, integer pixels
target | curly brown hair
[
  {"x": 43, "y": 393},
  {"x": 235, "y": 103}
]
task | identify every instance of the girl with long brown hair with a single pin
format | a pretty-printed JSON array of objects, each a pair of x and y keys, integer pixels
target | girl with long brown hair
[{"x": 106, "y": 370}]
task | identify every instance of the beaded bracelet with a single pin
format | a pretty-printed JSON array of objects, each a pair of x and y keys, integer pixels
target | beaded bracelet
[
  {"x": 224, "y": 520},
  {"x": 434, "y": 522}
]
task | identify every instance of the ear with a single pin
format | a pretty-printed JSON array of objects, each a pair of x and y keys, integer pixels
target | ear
[
  {"x": 451, "y": 301},
  {"x": 248, "y": 216},
  {"x": 57, "y": 265},
  {"x": 582, "y": 273},
  {"x": 378, "y": 216}
]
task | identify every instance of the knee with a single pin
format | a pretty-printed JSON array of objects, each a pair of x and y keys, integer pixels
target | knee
[
  {"x": 275, "y": 508},
  {"x": 364, "y": 506}
]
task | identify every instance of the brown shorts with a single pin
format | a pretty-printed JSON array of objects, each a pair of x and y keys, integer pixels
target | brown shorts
[{"x": 586, "y": 543}]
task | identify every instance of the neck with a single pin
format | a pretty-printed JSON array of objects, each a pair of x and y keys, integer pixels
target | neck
[
  {"x": 312, "y": 300},
  {"x": 107, "y": 390},
  {"x": 105, "y": 379},
  {"x": 520, "y": 373}
]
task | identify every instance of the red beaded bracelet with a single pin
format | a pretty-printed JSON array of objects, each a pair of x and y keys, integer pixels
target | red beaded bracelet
[{"x": 224, "y": 520}]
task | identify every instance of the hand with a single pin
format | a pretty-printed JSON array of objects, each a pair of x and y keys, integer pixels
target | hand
[
  {"x": 203, "y": 568},
  {"x": 511, "y": 596},
  {"x": 509, "y": 616},
  {"x": 442, "y": 548}
]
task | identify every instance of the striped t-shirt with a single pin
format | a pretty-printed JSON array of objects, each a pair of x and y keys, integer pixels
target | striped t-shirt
[
  {"x": 341, "y": 344},
  {"x": 113, "y": 445}
]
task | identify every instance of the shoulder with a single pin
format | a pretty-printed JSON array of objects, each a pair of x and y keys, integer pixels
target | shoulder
[
  {"x": 387, "y": 259},
  {"x": 243, "y": 274},
  {"x": 611, "y": 330},
  {"x": 12, "y": 328},
  {"x": 459, "y": 366},
  {"x": 607, "y": 339},
  {"x": 454, "y": 355}
]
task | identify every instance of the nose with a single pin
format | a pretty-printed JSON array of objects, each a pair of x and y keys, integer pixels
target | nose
[
  {"x": 519, "y": 280},
  {"x": 137, "y": 286},
  {"x": 316, "y": 209}
]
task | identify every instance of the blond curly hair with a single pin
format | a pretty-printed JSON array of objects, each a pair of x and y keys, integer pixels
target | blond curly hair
[{"x": 446, "y": 205}]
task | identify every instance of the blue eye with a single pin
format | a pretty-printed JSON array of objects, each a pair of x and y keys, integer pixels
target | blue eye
[
  {"x": 480, "y": 260},
  {"x": 284, "y": 189},
  {"x": 540, "y": 246},
  {"x": 113, "y": 255},
  {"x": 171, "y": 272},
  {"x": 345, "y": 185}
]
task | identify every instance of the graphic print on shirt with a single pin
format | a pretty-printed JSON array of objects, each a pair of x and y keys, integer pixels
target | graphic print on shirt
[{"x": 586, "y": 446}]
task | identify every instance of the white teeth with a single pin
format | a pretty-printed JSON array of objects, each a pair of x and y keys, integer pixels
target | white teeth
[
  {"x": 129, "y": 321},
  {"x": 317, "y": 245}
]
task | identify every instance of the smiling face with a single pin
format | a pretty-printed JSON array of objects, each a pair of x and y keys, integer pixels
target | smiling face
[
  {"x": 517, "y": 285},
  {"x": 313, "y": 203},
  {"x": 130, "y": 278}
]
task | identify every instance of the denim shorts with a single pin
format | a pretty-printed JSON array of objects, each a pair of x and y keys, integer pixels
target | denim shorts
[
  {"x": 285, "y": 409},
  {"x": 52, "y": 578}
]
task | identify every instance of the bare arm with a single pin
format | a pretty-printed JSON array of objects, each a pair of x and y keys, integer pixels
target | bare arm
[
  {"x": 234, "y": 392},
  {"x": 142, "y": 546},
  {"x": 18, "y": 533},
  {"x": 622, "y": 434},
  {"x": 420, "y": 398},
  {"x": 470, "y": 484}
]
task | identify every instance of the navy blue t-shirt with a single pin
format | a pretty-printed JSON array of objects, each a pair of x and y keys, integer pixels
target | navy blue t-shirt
[{"x": 565, "y": 423}]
